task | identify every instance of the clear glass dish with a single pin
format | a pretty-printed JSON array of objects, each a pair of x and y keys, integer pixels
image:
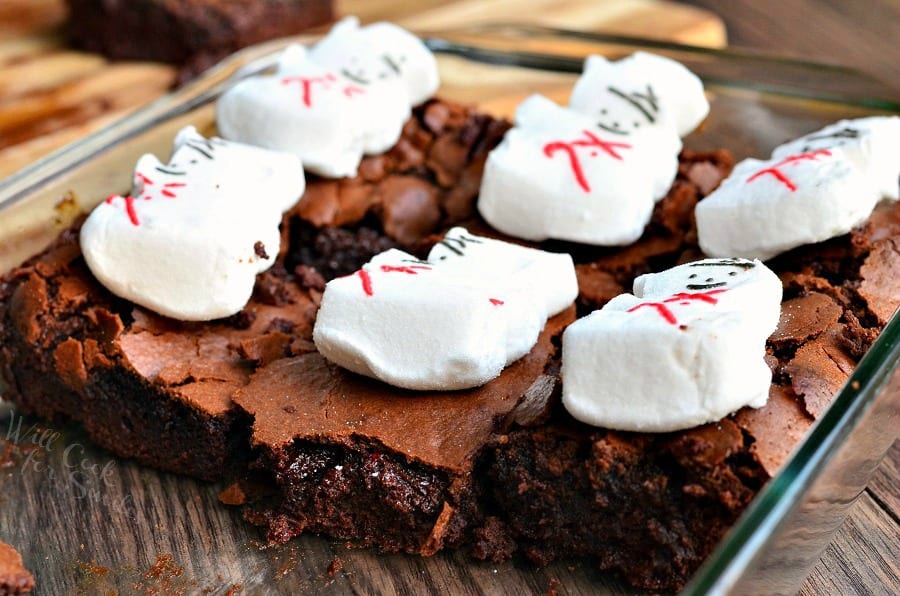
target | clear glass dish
[{"x": 757, "y": 103}]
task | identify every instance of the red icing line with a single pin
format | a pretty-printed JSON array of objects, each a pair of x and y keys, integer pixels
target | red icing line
[
  {"x": 129, "y": 207},
  {"x": 592, "y": 140},
  {"x": 661, "y": 308},
  {"x": 352, "y": 90},
  {"x": 683, "y": 298},
  {"x": 168, "y": 193},
  {"x": 779, "y": 175},
  {"x": 366, "y": 281},
  {"x": 174, "y": 184},
  {"x": 496, "y": 301},
  {"x": 702, "y": 296},
  {"x": 306, "y": 84},
  {"x": 410, "y": 269},
  {"x": 144, "y": 178}
]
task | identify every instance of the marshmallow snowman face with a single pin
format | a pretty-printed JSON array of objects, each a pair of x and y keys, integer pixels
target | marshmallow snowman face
[
  {"x": 307, "y": 109},
  {"x": 193, "y": 234},
  {"x": 451, "y": 322},
  {"x": 638, "y": 92},
  {"x": 873, "y": 144},
  {"x": 767, "y": 207},
  {"x": 556, "y": 175},
  {"x": 686, "y": 349},
  {"x": 380, "y": 52}
]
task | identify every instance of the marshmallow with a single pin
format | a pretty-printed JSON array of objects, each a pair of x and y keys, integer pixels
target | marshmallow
[
  {"x": 193, "y": 234},
  {"x": 451, "y": 322},
  {"x": 640, "y": 91},
  {"x": 379, "y": 52},
  {"x": 543, "y": 275},
  {"x": 686, "y": 349},
  {"x": 324, "y": 118},
  {"x": 873, "y": 144},
  {"x": 767, "y": 207},
  {"x": 556, "y": 175}
]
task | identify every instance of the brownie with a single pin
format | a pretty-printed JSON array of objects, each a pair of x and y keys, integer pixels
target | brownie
[
  {"x": 363, "y": 461},
  {"x": 191, "y": 33},
  {"x": 501, "y": 470},
  {"x": 143, "y": 386},
  {"x": 14, "y": 578},
  {"x": 649, "y": 506},
  {"x": 652, "y": 506},
  {"x": 70, "y": 350}
]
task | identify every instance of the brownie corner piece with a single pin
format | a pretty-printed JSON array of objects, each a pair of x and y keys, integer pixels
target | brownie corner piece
[{"x": 356, "y": 459}]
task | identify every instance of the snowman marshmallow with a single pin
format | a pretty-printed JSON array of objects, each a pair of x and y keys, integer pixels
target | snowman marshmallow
[
  {"x": 686, "y": 349},
  {"x": 192, "y": 235},
  {"x": 380, "y": 52},
  {"x": 638, "y": 92},
  {"x": 767, "y": 207},
  {"x": 872, "y": 144},
  {"x": 324, "y": 118},
  {"x": 556, "y": 175},
  {"x": 453, "y": 321}
]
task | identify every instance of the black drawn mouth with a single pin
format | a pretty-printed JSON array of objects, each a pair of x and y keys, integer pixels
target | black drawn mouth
[
  {"x": 705, "y": 286},
  {"x": 613, "y": 129}
]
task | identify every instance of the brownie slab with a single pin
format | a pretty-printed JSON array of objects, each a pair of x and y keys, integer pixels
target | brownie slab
[
  {"x": 143, "y": 386},
  {"x": 196, "y": 33},
  {"x": 358, "y": 459},
  {"x": 653, "y": 506}
]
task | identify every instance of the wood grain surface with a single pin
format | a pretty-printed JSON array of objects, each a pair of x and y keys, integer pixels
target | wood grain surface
[{"x": 156, "y": 533}]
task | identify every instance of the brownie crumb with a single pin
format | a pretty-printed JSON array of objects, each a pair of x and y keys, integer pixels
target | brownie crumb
[
  {"x": 260, "y": 249},
  {"x": 336, "y": 565}
]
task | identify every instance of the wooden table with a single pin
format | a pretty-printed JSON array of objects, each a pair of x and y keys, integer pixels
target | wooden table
[{"x": 864, "y": 556}]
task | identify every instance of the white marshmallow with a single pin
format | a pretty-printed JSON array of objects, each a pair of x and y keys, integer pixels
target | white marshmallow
[
  {"x": 688, "y": 348},
  {"x": 873, "y": 144},
  {"x": 767, "y": 207},
  {"x": 640, "y": 91},
  {"x": 379, "y": 52},
  {"x": 325, "y": 119},
  {"x": 556, "y": 175},
  {"x": 451, "y": 322},
  {"x": 540, "y": 274},
  {"x": 193, "y": 234}
]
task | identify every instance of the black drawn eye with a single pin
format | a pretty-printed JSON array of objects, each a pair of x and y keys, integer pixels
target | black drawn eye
[
  {"x": 732, "y": 273},
  {"x": 603, "y": 112},
  {"x": 692, "y": 276},
  {"x": 710, "y": 280},
  {"x": 193, "y": 161},
  {"x": 637, "y": 124}
]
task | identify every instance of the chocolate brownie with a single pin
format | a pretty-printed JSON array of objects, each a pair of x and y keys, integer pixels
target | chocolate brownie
[
  {"x": 501, "y": 470},
  {"x": 133, "y": 379},
  {"x": 69, "y": 349},
  {"x": 196, "y": 33},
  {"x": 348, "y": 453},
  {"x": 650, "y": 506},
  {"x": 14, "y": 578}
]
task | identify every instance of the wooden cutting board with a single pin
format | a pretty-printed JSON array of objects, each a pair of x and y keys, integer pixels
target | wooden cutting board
[{"x": 51, "y": 95}]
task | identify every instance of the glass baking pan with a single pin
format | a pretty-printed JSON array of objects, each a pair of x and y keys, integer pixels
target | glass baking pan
[{"x": 757, "y": 103}]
